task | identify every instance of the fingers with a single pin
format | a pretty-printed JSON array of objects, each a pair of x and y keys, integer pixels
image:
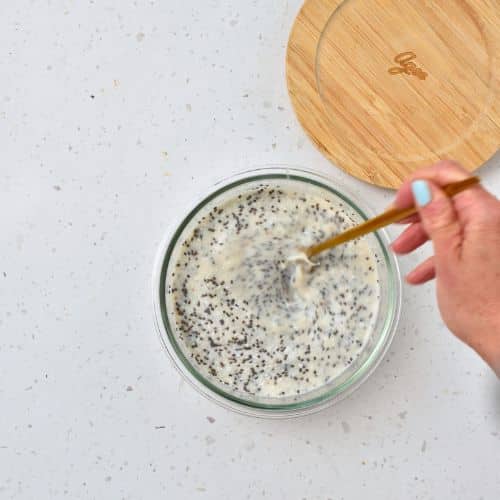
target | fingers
[
  {"x": 446, "y": 221},
  {"x": 410, "y": 239},
  {"x": 410, "y": 220},
  {"x": 439, "y": 220},
  {"x": 441, "y": 173},
  {"x": 422, "y": 273}
]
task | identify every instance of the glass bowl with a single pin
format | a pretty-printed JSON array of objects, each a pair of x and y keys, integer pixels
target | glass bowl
[{"x": 340, "y": 386}]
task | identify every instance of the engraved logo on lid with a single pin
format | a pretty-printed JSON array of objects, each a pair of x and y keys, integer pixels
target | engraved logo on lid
[{"x": 406, "y": 65}]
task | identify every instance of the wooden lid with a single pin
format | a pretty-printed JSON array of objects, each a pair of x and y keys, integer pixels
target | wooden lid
[{"x": 384, "y": 87}]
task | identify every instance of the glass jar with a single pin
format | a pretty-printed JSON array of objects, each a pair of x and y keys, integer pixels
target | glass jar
[{"x": 332, "y": 392}]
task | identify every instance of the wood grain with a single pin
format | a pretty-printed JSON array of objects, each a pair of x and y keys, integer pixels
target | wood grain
[{"x": 384, "y": 87}]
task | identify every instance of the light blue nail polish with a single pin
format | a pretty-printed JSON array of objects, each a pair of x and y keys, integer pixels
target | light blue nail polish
[{"x": 421, "y": 192}]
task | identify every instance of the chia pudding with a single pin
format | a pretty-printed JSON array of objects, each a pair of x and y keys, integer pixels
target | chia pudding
[{"x": 237, "y": 316}]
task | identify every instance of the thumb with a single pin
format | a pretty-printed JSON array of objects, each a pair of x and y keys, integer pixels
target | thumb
[{"x": 439, "y": 219}]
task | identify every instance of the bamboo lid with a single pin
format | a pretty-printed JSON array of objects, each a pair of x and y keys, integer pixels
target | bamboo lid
[{"x": 384, "y": 87}]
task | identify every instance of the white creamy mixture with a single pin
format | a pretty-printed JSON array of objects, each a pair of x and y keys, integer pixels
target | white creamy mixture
[{"x": 230, "y": 302}]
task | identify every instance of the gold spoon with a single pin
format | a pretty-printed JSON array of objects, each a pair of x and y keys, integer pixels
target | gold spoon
[{"x": 390, "y": 216}]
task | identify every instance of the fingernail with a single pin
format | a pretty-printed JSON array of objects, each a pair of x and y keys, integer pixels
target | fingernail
[{"x": 421, "y": 192}]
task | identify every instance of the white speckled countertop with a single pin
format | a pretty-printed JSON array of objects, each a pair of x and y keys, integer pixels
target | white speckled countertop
[{"x": 113, "y": 114}]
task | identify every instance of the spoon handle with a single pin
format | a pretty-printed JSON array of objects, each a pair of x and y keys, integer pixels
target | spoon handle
[{"x": 390, "y": 216}]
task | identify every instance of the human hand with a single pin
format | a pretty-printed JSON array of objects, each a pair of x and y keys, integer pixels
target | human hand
[{"x": 465, "y": 233}]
